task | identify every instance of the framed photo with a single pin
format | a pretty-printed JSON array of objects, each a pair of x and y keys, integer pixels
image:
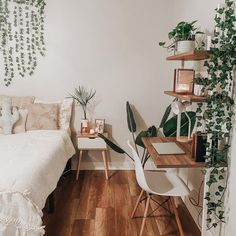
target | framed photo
[
  {"x": 183, "y": 81},
  {"x": 99, "y": 125}
]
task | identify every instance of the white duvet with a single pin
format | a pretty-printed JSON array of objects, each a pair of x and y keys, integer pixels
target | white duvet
[{"x": 30, "y": 166}]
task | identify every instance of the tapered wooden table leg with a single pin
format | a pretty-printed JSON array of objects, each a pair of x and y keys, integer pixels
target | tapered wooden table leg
[
  {"x": 105, "y": 164},
  {"x": 79, "y": 162}
]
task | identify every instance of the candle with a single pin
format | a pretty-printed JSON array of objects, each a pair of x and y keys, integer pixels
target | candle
[{"x": 208, "y": 43}]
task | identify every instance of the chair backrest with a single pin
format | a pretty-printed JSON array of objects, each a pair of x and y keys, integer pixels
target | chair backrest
[{"x": 139, "y": 172}]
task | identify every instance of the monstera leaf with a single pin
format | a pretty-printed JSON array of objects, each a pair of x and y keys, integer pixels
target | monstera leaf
[
  {"x": 170, "y": 126},
  {"x": 151, "y": 132}
]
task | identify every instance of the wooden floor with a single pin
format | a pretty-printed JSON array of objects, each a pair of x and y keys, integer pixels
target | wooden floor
[{"x": 93, "y": 206}]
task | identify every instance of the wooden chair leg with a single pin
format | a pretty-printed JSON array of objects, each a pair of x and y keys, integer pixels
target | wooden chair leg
[
  {"x": 181, "y": 232},
  {"x": 145, "y": 215},
  {"x": 137, "y": 203},
  {"x": 105, "y": 164},
  {"x": 79, "y": 162}
]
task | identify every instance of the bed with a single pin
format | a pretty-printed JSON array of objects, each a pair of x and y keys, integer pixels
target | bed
[{"x": 31, "y": 164}]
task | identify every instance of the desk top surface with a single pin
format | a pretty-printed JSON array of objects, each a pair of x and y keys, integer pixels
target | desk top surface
[{"x": 171, "y": 161}]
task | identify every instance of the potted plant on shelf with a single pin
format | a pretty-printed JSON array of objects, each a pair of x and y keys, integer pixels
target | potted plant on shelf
[
  {"x": 83, "y": 97},
  {"x": 183, "y": 37},
  {"x": 200, "y": 85}
]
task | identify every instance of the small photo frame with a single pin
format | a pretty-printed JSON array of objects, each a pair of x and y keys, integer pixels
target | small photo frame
[
  {"x": 183, "y": 81},
  {"x": 99, "y": 125}
]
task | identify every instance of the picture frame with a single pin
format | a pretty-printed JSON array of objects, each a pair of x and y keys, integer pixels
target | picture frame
[
  {"x": 183, "y": 81},
  {"x": 99, "y": 125}
]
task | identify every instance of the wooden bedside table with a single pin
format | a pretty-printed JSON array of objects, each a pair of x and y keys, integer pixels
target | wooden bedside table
[{"x": 91, "y": 142}]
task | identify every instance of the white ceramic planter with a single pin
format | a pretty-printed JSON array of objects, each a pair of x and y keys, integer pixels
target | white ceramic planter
[
  {"x": 185, "y": 46},
  {"x": 198, "y": 90}
]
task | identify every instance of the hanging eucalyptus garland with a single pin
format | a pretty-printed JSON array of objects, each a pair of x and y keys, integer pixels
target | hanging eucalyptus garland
[
  {"x": 21, "y": 36},
  {"x": 218, "y": 110}
]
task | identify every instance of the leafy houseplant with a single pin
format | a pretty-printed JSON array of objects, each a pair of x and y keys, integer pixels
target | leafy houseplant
[
  {"x": 83, "y": 97},
  {"x": 200, "y": 85},
  {"x": 218, "y": 111},
  {"x": 21, "y": 36},
  {"x": 169, "y": 129},
  {"x": 182, "y": 36}
]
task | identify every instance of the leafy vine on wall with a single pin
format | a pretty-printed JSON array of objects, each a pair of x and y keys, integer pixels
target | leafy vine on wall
[
  {"x": 218, "y": 110},
  {"x": 21, "y": 36}
]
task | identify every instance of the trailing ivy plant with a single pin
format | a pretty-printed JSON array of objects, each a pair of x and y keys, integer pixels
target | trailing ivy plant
[
  {"x": 21, "y": 36},
  {"x": 218, "y": 111}
]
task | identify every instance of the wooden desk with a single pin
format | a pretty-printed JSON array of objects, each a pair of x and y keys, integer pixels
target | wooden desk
[{"x": 171, "y": 161}]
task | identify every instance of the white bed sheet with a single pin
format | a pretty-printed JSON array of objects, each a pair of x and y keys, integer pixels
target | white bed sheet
[{"x": 30, "y": 166}]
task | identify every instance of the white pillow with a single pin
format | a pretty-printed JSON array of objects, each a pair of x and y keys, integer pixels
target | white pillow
[{"x": 19, "y": 126}]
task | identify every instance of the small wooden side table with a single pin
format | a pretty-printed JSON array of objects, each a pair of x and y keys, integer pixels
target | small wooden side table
[{"x": 91, "y": 142}]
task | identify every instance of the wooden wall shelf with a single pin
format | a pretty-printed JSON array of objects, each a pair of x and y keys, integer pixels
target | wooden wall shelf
[
  {"x": 190, "y": 56},
  {"x": 186, "y": 97}
]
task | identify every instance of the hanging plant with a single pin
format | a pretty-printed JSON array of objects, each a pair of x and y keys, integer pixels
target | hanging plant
[
  {"x": 217, "y": 112},
  {"x": 21, "y": 36}
]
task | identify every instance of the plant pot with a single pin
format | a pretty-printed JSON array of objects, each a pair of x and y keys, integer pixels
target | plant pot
[
  {"x": 185, "y": 46},
  {"x": 84, "y": 126},
  {"x": 198, "y": 90}
]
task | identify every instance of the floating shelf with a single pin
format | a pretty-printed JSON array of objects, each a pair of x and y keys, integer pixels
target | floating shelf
[
  {"x": 186, "y": 97},
  {"x": 190, "y": 56}
]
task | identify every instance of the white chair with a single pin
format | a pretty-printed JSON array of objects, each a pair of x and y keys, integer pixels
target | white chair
[{"x": 159, "y": 183}]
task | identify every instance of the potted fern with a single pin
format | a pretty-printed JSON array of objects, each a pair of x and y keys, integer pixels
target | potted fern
[
  {"x": 183, "y": 37},
  {"x": 83, "y": 97}
]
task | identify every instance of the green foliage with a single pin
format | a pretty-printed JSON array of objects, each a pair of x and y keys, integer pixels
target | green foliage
[
  {"x": 83, "y": 97},
  {"x": 22, "y": 36},
  {"x": 150, "y": 132},
  {"x": 130, "y": 118},
  {"x": 170, "y": 126},
  {"x": 183, "y": 31},
  {"x": 218, "y": 110}
]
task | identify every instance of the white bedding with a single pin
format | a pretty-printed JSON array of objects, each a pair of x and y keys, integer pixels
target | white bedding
[{"x": 30, "y": 166}]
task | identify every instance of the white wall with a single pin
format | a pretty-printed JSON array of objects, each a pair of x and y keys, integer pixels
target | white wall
[{"x": 108, "y": 45}]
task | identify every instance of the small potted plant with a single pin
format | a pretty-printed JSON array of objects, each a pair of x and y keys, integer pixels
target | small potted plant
[
  {"x": 83, "y": 97},
  {"x": 200, "y": 84},
  {"x": 183, "y": 37}
]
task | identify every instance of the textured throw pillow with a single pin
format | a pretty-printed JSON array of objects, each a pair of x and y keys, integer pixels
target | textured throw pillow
[
  {"x": 20, "y": 125},
  {"x": 64, "y": 115},
  {"x": 42, "y": 117},
  {"x": 20, "y": 102}
]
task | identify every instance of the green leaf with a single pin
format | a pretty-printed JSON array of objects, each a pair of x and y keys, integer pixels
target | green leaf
[
  {"x": 165, "y": 116},
  {"x": 130, "y": 118},
  {"x": 112, "y": 145},
  {"x": 150, "y": 132},
  {"x": 170, "y": 127}
]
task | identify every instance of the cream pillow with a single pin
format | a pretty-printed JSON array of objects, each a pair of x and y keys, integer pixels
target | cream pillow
[
  {"x": 42, "y": 117},
  {"x": 64, "y": 115},
  {"x": 20, "y": 102},
  {"x": 19, "y": 126}
]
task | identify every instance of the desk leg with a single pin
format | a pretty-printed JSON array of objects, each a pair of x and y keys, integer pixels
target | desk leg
[
  {"x": 105, "y": 164},
  {"x": 79, "y": 162}
]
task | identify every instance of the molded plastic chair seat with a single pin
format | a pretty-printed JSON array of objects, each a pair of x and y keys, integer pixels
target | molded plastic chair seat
[{"x": 165, "y": 184}]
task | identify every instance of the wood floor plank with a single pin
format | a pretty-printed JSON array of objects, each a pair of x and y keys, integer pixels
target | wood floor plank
[
  {"x": 83, "y": 228},
  {"x": 93, "y": 206},
  {"x": 88, "y": 196},
  {"x": 104, "y": 222}
]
